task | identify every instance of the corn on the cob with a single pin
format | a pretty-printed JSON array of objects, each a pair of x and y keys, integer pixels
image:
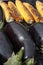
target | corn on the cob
[
  {"x": 6, "y": 11},
  {"x": 33, "y": 11},
  {"x": 14, "y": 11},
  {"x": 39, "y": 6},
  {"x": 24, "y": 12}
]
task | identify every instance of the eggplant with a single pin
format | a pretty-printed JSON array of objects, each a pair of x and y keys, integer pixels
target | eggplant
[
  {"x": 6, "y": 47},
  {"x": 19, "y": 37},
  {"x": 36, "y": 32}
]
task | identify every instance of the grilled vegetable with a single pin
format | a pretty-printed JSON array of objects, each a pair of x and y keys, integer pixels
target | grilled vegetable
[
  {"x": 16, "y": 14},
  {"x": 6, "y": 11},
  {"x": 39, "y": 6},
  {"x": 15, "y": 59},
  {"x": 19, "y": 36},
  {"x": 6, "y": 48},
  {"x": 24, "y": 12},
  {"x": 19, "y": 20},
  {"x": 33, "y": 11},
  {"x": 14, "y": 11},
  {"x": 36, "y": 31}
]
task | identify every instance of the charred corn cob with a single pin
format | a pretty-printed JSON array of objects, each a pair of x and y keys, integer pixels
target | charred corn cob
[
  {"x": 24, "y": 12},
  {"x": 33, "y": 11},
  {"x": 6, "y": 11},
  {"x": 14, "y": 11},
  {"x": 39, "y": 6}
]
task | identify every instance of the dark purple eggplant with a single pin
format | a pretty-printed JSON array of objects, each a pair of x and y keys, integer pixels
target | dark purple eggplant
[
  {"x": 6, "y": 47},
  {"x": 19, "y": 37},
  {"x": 36, "y": 31}
]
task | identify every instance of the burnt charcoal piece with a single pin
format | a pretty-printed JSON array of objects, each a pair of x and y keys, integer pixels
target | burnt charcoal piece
[
  {"x": 6, "y": 47},
  {"x": 36, "y": 32},
  {"x": 19, "y": 37}
]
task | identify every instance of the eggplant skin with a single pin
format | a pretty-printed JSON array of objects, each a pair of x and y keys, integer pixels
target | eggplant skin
[
  {"x": 36, "y": 32},
  {"x": 6, "y": 47},
  {"x": 19, "y": 37}
]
